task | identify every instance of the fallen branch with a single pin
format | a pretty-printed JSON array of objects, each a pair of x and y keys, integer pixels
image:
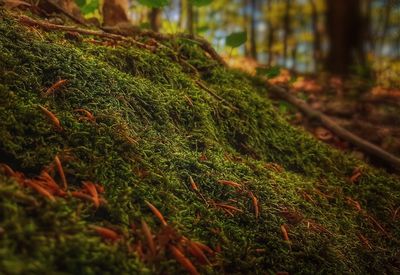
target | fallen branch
[
  {"x": 335, "y": 128},
  {"x": 49, "y": 26}
]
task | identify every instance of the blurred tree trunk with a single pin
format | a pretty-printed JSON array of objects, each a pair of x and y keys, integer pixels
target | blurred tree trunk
[
  {"x": 270, "y": 35},
  {"x": 389, "y": 5},
  {"x": 181, "y": 14},
  {"x": 286, "y": 30},
  {"x": 253, "y": 41},
  {"x": 246, "y": 24},
  {"x": 190, "y": 18},
  {"x": 115, "y": 12},
  {"x": 155, "y": 19},
  {"x": 345, "y": 31},
  {"x": 316, "y": 33},
  {"x": 368, "y": 26},
  {"x": 294, "y": 57}
]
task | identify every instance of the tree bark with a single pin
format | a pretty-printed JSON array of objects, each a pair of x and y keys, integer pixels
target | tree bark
[
  {"x": 253, "y": 41},
  {"x": 345, "y": 32},
  {"x": 316, "y": 33},
  {"x": 190, "y": 18},
  {"x": 155, "y": 19},
  {"x": 270, "y": 35},
  {"x": 115, "y": 12},
  {"x": 286, "y": 30}
]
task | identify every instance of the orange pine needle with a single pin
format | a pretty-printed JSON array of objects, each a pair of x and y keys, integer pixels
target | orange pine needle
[
  {"x": 157, "y": 213},
  {"x": 106, "y": 233},
  {"x": 193, "y": 184},
  {"x": 204, "y": 247},
  {"x": 364, "y": 241},
  {"x": 228, "y": 207},
  {"x": 185, "y": 262},
  {"x": 51, "y": 116},
  {"x": 198, "y": 253},
  {"x": 7, "y": 169},
  {"x": 88, "y": 114},
  {"x": 354, "y": 203},
  {"x": 356, "y": 175},
  {"x": 49, "y": 180},
  {"x": 55, "y": 87},
  {"x": 285, "y": 233},
  {"x": 255, "y": 204},
  {"x": 91, "y": 188},
  {"x": 149, "y": 237},
  {"x": 230, "y": 183},
  {"x": 40, "y": 190},
  {"x": 61, "y": 172}
]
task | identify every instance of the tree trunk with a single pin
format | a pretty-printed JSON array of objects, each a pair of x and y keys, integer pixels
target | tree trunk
[
  {"x": 316, "y": 33},
  {"x": 345, "y": 32},
  {"x": 389, "y": 5},
  {"x": 253, "y": 42},
  {"x": 115, "y": 12},
  {"x": 190, "y": 18},
  {"x": 286, "y": 30},
  {"x": 155, "y": 19},
  {"x": 270, "y": 36}
]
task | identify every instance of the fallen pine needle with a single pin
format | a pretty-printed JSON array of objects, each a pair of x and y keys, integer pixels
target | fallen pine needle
[
  {"x": 49, "y": 180},
  {"x": 185, "y": 262},
  {"x": 149, "y": 237},
  {"x": 89, "y": 116},
  {"x": 228, "y": 207},
  {"x": 55, "y": 87},
  {"x": 41, "y": 190},
  {"x": 285, "y": 233},
  {"x": 193, "y": 184},
  {"x": 230, "y": 183},
  {"x": 255, "y": 204},
  {"x": 7, "y": 169},
  {"x": 91, "y": 188},
  {"x": 204, "y": 247},
  {"x": 51, "y": 116},
  {"x": 61, "y": 172},
  {"x": 106, "y": 233},
  {"x": 157, "y": 213},
  {"x": 196, "y": 251}
]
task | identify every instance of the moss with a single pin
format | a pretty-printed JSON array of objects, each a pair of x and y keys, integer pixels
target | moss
[{"x": 154, "y": 128}]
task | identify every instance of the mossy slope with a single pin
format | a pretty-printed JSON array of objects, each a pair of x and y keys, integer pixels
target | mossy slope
[{"x": 154, "y": 128}]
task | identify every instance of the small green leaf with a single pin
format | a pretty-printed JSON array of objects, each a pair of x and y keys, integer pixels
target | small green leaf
[
  {"x": 145, "y": 25},
  {"x": 202, "y": 29},
  {"x": 268, "y": 72},
  {"x": 154, "y": 3},
  {"x": 80, "y": 3},
  {"x": 236, "y": 39},
  {"x": 200, "y": 3},
  {"x": 90, "y": 7}
]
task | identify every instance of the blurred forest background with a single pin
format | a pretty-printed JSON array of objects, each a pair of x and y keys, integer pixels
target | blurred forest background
[{"x": 307, "y": 36}]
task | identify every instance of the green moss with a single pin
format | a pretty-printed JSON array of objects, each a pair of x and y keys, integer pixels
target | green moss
[{"x": 153, "y": 127}]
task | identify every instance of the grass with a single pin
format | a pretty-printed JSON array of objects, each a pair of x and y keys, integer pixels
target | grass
[{"x": 154, "y": 127}]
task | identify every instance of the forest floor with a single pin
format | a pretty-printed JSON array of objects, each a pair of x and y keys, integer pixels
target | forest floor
[{"x": 367, "y": 110}]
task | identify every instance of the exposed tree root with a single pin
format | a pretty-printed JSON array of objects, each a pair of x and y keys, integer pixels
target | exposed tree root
[
  {"x": 366, "y": 146},
  {"x": 25, "y": 20}
]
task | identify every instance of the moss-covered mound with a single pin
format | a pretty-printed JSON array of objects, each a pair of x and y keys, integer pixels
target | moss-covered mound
[{"x": 232, "y": 174}]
